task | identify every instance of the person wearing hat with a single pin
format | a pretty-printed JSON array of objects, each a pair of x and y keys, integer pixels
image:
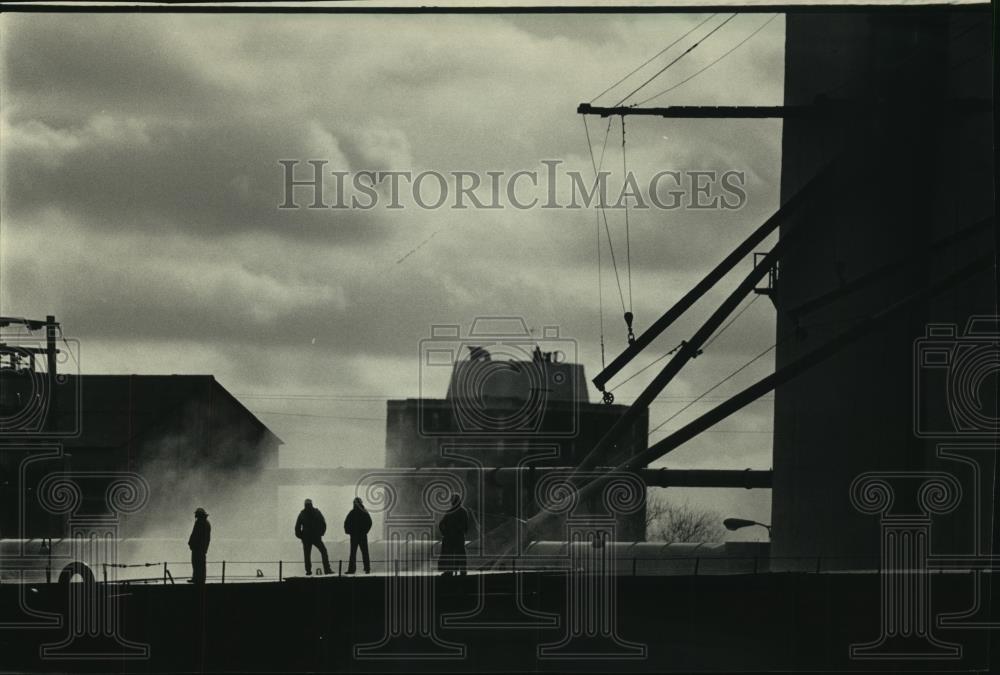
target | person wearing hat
[
  {"x": 310, "y": 528},
  {"x": 201, "y": 535},
  {"x": 356, "y": 525}
]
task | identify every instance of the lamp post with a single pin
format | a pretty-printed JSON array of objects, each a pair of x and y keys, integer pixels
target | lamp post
[{"x": 739, "y": 523}]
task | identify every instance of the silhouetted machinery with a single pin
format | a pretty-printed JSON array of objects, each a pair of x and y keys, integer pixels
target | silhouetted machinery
[
  {"x": 27, "y": 374},
  {"x": 876, "y": 256}
]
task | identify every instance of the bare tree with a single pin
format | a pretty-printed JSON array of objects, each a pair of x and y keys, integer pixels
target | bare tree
[{"x": 671, "y": 523}]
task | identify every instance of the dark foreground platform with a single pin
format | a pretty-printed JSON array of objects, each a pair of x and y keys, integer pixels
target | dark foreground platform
[{"x": 790, "y": 622}]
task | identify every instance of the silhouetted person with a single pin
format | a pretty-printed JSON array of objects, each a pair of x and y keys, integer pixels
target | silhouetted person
[
  {"x": 357, "y": 524},
  {"x": 453, "y": 526},
  {"x": 310, "y": 527},
  {"x": 201, "y": 536}
]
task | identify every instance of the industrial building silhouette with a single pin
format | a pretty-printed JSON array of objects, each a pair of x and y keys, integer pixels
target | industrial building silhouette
[{"x": 164, "y": 427}]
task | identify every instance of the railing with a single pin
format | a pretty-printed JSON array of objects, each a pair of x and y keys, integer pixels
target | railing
[
  {"x": 248, "y": 571},
  {"x": 244, "y": 571}
]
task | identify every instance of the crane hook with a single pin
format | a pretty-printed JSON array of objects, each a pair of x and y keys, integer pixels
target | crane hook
[{"x": 628, "y": 322}]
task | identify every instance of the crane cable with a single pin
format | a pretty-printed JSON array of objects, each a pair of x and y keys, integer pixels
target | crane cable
[
  {"x": 628, "y": 244},
  {"x": 597, "y": 218},
  {"x": 703, "y": 69},
  {"x": 628, "y": 314},
  {"x": 653, "y": 57},
  {"x": 714, "y": 387},
  {"x": 600, "y": 285},
  {"x": 710, "y": 340},
  {"x": 780, "y": 341},
  {"x": 607, "y": 229},
  {"x": 729, "y": 323},
  {"x": 683, "y": 54}
]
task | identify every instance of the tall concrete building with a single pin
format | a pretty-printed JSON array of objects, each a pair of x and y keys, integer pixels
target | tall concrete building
[{"x": 905, "y": 100}]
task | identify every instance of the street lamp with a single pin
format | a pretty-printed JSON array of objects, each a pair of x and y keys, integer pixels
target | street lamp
[{"x": 738, "y": 523}]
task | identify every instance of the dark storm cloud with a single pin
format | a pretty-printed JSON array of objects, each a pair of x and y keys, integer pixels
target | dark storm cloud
[
  {"x": 211, "y": 178},
  {"x": 64, "y": 68}
]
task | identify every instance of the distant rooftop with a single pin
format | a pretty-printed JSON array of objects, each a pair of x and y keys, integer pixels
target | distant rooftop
[{"x": 487, "y": 376}]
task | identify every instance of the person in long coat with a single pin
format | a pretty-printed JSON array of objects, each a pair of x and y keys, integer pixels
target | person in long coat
[
  {"x": 454, "y": 526},
  {"x": 356, "y": 525},
  {"x": 201, "y": 537}
]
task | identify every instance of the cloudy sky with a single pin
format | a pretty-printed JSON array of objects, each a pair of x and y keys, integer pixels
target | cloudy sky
[{"x": 141, "y": 184}]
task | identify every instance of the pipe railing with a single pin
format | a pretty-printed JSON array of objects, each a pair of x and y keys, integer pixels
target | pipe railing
[{"x": 634, "y": 566}]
